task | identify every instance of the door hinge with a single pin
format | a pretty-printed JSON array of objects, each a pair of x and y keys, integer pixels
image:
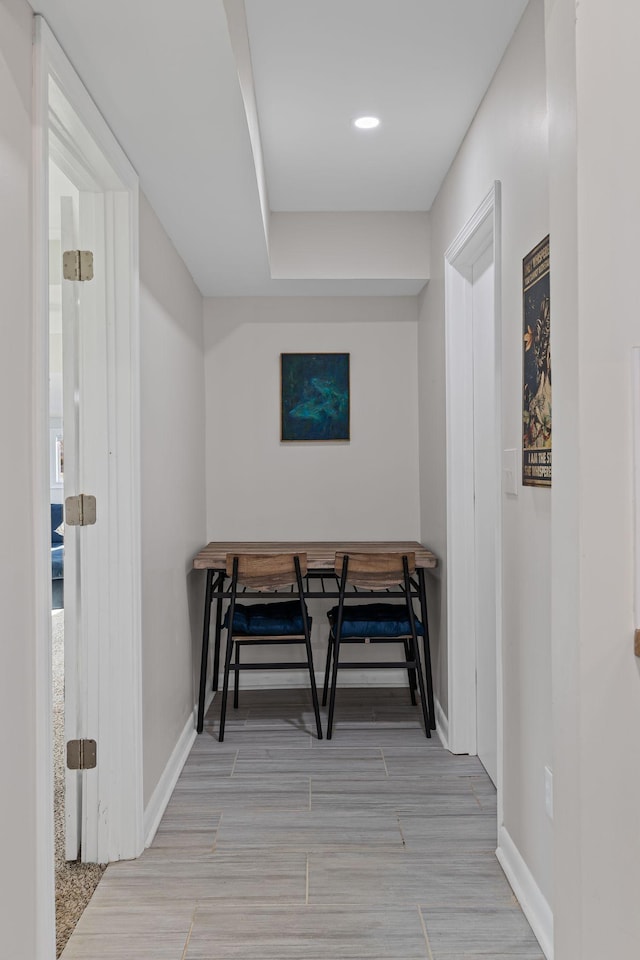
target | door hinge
[
  {"x": 77, "y": 265},
  {"x": 80, "y": 511},
  {"x": 81, "y": 754}
]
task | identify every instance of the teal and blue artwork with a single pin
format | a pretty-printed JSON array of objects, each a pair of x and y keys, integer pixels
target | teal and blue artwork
[{"x": 315, "y": 396}]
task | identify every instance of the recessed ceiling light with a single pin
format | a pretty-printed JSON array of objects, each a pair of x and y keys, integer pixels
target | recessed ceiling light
[{"x": 366, "y": 123}]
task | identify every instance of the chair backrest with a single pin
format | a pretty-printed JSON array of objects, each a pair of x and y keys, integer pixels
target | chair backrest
[
  {"x": 377, "y": 571},
  {"x": 260, "y": 572}
]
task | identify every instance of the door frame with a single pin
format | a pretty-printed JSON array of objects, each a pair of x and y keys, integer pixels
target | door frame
[
  {"x": 480, "y": 231},
  {"x": 115, "y": 668}
]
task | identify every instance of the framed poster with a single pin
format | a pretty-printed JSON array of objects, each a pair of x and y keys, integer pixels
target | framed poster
[
  {"x": 536, "y": 368},
  {"x": 314, "y": 396}
]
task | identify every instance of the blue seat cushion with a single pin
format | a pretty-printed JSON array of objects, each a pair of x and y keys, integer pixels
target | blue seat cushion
[
  {"x": 57, "y": 562},
  {"x": 267, "y": 619},
  {"x": 374, "y": 621}
]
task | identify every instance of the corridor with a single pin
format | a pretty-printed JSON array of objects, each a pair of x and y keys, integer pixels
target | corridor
[{"x": 377, "y": 845}]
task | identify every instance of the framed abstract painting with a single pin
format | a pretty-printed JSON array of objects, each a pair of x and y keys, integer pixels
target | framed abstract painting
[{"x": 314, "y": 396}]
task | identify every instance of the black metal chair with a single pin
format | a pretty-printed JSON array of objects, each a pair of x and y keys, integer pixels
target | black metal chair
[
  {"x": 276, "y": 621},
  {"x": 385, "y": 622}
]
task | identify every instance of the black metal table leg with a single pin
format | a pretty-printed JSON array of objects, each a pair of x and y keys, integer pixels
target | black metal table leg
[
  {"x": 236, "y": 678},
  {"x": 205, "y": 651},
  {"x": 216, "y": 646},
  {"x": 412, "y": 674},
  {"x": 426, "y": 647}
]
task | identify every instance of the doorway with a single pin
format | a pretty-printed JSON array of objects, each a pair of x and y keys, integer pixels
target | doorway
[
  {"x": 474, "y": 528},
  {"x": 98, "y": 439},
  {"x": 74, "y": 881}
]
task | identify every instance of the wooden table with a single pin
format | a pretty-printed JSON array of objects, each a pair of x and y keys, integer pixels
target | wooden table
[{"x": 320, "y": 583}]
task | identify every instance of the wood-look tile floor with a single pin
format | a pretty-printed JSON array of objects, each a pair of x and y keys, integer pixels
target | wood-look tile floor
[{"x": 376, "y": 845}]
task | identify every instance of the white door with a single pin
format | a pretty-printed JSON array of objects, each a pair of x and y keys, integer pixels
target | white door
[
  {"x": 85, "y": 407},
  {"x": 485, "y": 495},
  {"x": 67, "y": 211}
]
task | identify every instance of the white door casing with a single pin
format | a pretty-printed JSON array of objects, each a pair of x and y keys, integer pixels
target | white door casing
[
  {"x": 70, "y": 129},
  {"x": 485, "y": 482},
  {"x": 482, "y": 231}
]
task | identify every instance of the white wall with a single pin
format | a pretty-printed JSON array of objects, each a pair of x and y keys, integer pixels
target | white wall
[
  {"x": 596, "y": 676},
  {"x": 173, "y": 497},
  {"x": 260, "y": 488},
  {"x": 19, "y": 834},
  {"x": 305, "y": 246},
  {"x": 507, "y": 142},
  {"x": 565, "y": 593}
]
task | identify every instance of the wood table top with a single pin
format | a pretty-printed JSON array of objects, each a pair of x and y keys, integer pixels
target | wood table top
[{"x": 320, "y": 553}]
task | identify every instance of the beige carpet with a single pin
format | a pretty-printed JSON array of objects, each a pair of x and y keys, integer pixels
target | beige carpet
[{"x": 75, "y": 882}]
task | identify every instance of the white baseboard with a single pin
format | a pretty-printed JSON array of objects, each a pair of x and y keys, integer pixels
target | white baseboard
[
  {"x": 534, "y": 905},
  {"x": 442, "y": 725},
  {"x": 208, "y": 700},
  {"x": 162, "y": 793}
]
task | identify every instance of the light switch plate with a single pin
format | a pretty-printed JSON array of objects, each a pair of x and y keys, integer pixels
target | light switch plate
[{"x": 510, "y": 472}]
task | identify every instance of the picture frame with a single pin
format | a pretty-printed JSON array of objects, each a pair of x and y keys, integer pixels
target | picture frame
[
  {"x": 315, "y": 397},
  {"x": 536, "y": 367}
]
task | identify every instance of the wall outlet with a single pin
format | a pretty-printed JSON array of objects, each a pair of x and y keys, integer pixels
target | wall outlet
[{"x": 548, "y": 791}]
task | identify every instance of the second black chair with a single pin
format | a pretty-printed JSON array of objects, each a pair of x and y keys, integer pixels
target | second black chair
[{"x": 375, "y": 622}]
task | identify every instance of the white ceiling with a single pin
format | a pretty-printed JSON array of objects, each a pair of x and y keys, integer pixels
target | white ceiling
[{"x": 165, "y": 76}]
